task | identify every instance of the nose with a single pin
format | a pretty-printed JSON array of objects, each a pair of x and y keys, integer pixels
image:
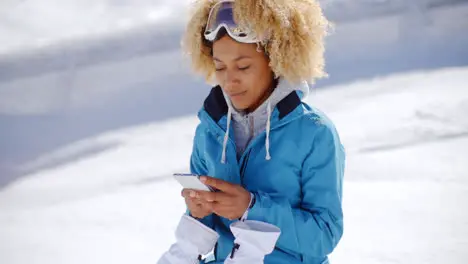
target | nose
[{"x": 230, "y": 78}]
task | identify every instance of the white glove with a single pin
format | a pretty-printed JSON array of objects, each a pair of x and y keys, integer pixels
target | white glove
[
  {"x": 253, "y": 241},
  {"x": 192, "y": 240}
]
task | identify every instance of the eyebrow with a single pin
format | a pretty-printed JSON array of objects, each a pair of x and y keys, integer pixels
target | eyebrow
[{"x": 236, "y": 59}]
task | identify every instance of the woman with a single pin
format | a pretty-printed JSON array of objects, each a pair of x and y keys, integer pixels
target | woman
[{"x": 271, "y": 157}]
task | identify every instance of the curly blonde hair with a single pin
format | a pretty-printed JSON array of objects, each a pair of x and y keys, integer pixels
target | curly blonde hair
[{"x": 296, "y": 44}]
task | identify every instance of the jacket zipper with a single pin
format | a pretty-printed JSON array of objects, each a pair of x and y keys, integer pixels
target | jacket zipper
[
  {"x": 246, "y": 158},
  {"x": 244, "y": 166},
  {"x": 251, "y": 123}
]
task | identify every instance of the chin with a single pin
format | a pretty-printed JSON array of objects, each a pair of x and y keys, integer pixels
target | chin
[{"x": 241, "y": 107}]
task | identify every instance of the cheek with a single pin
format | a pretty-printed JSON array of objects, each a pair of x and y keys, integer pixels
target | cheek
[
  {"x": 252, "y": 82},
  {"x": 219, "y": 76},
  {"x": 249, "y": 84}
]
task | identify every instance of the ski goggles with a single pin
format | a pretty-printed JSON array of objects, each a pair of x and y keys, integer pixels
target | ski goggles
[{"x": 222, "y": 15}]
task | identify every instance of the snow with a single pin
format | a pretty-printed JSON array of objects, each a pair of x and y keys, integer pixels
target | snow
[
  {"x": 71, "y": 73},
  {"x": 110, "y": 198},
  {"x": 52, "y": 21}
]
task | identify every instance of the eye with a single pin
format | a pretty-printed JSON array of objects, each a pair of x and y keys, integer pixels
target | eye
[
  {"x": 219, "y": 70},
  {"x": 244, "y": 68}
]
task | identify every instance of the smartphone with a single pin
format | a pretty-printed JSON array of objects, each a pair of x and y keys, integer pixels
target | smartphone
[{"x": 192, "y": 181}]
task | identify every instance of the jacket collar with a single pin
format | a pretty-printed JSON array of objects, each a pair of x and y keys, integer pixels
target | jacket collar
[{"x": 216, "y": 107}]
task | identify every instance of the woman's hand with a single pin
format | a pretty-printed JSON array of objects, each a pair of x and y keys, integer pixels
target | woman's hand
[
  {"x": 198, "y": 208},
  {"x": 231, "y": 201}
]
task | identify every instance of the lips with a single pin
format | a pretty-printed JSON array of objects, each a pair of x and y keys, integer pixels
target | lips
[{"x": 237, "y": 94}]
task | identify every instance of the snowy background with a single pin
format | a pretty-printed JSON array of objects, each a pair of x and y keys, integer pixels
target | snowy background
[{"x": 92, "y": 91}]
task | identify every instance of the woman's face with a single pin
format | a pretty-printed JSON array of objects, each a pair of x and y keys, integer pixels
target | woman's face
[{"x": 242, "y": 72}]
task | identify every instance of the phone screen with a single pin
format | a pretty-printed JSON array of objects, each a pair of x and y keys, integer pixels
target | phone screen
[{"x": 192, "y": 181}]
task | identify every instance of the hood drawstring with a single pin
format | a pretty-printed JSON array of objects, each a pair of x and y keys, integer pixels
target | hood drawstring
[
  {"x": 226, "y": 135},
  {"x": 267, "y": 140}
]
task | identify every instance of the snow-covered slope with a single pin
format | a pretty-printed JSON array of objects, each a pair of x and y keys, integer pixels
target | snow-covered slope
[
  {"x": 36, "y": 23},
  {"x": 110, "y": 199},
  {"x": 71, "y": 71}
]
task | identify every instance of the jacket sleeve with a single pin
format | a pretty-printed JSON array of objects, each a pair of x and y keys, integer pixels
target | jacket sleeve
[
  {"x": 198, "y": 166},
  {"x": 316, "y": 226}
]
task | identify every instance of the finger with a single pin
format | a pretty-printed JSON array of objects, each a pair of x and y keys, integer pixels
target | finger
[
  {"x": 218, "y": 184},
  {"x": 197, "y": 212},
  {"x": 207, "y": 207},
  {"x": 192, "y": 200},
  {"x": 190, "y": 204},
  {"x": 188, "y": 193},
  {"x": 219, "y": 207},
  {"x": 202, "y": 202},
  {"x": 219, "y": 197},
  {"x": 196, "y": 201},
  {"x": 202, "y": 210},
  {"x": 185, "y": 193},
  {"x": 194, "y": 208},
  {"x": 224, "y": 211},
  {"x": 206, "y": 196}
]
